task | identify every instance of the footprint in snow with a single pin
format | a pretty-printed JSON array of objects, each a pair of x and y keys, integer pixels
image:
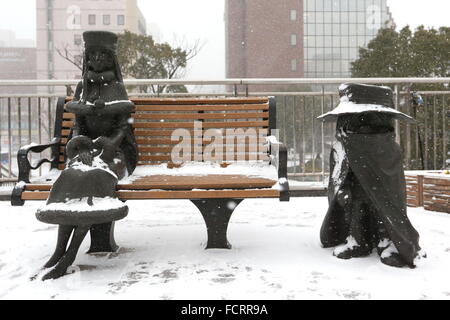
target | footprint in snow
[
  {"x": 224, "y": 278},
  {"x": 167, "y": 275},
  {"x": 355, "y": 295}
]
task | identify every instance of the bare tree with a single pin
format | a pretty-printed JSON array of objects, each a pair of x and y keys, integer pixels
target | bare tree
[{"x": 68, "y": 54}]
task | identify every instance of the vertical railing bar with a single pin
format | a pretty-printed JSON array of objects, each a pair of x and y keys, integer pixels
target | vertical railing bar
[
  {"x": 408, "y": 129},
  {"x": 1, "y": 129},
  {"x": 323, "y": 134},
  {"x": 39, "y": 118},
  {"x": 19, "y": 120},
  {"x": 49, "y": 125},
  {"x": 397, "y": 107},
  {"x": 29, "y": 126},
  {"x": 435, "y": 145},
  {"x": 425, "y": 129},
  {"x": 285, "y": 120},
  {"x": 444, "y": 132},
  {"x": 295, "y": 133},
  {"x": 29, "y": 120},
  {"x": 313, "y": 129},
  {"x": 10, "y": 140},
  {"x": 331, "y": 130},
  {"x": 303, "y": 135},
  {"x": 417, "y": 133}
]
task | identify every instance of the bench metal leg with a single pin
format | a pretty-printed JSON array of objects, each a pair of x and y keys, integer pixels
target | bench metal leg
[
  {"x": 16, "y": 195},
  {"x": 217, "y": 214},
  {"x": 102, "y": 238}
]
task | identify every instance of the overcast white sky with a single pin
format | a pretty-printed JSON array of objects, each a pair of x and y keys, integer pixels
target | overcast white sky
[{"x": 203, "y": 20}]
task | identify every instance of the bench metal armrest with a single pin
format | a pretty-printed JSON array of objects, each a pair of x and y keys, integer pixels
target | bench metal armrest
[
  {"x": 25, "y": 165},
  {"x": 278, "y": 157}
]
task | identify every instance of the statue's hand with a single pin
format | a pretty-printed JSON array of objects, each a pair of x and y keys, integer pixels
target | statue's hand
[
  {"x": 99, "y": 105},
  {"x": 108, "y": 149},
  {"x": 86, "y": 157}
]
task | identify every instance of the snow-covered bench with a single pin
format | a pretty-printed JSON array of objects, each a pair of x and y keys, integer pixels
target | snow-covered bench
[{"x": 247, "y": 162}]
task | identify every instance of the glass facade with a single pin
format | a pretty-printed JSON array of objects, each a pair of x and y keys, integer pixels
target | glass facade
[{"x": 335, "y": 29}]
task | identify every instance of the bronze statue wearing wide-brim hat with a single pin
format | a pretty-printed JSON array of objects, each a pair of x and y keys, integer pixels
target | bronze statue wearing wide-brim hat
[{"x": 360, "y": 98}]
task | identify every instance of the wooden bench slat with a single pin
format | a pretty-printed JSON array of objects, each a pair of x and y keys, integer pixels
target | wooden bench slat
[
  {"x": 164, "y": 133},
  {"x": 68, "y": 116},
  {"x": 202, "y": 107},
  {"x": 227, "y": 101},
  {"x": 170, "y": 142},
  {"x": 212, "y": 181},
  {"x": 249, "y": 148},
  {"x": 67, "y": 124},
  {"x": 154, "y": 158},
  {"x": 189, "y": 125},
  {"x": 201, "y": 116},
  {"x": 146, "y": 195},
  {"x": 177, "y": 182},
  {"x": 191, "y": 156},
  {"x": 207, "y": 194}
]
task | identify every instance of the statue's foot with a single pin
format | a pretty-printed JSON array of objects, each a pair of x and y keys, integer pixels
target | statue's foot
[
  {"x": 389, "y": 254},
  {"x": 55, "y": 273},
  {"x": 394, "y": 260},
  {"x": 351, "y": 249},
  {"x": 353, "y": 253}
]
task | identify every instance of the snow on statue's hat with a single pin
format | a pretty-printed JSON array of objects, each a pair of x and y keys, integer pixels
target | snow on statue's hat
[
  {"x": 104, "y": 39},
  {"x": 359, "y": 98}
]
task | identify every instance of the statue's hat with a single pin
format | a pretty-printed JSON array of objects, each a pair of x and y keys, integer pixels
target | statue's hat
[
  {"x": 359, "y": 98},
  {"x": 103, "y": 39}
]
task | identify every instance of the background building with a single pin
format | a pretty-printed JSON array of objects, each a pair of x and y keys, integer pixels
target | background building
[
  {"x": 8, "y": 39},
  {"x": 299, "y": 38},
  {"x": 264, "y": 39},
  {"x": 61, "y": 23},
  {"x": 17, "y": 61},
  {"x": 17, "y": 64},
  {"x": 336, "y": 29}
]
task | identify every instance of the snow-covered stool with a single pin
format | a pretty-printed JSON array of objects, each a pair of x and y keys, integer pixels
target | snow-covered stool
[{"x": 212, "y": 151}]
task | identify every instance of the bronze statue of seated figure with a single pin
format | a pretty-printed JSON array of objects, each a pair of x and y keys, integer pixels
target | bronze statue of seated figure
[{"x": 101, "y": 151}]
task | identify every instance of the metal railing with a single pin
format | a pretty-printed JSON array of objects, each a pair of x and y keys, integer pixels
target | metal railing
[{"x": 28, "y": 118}]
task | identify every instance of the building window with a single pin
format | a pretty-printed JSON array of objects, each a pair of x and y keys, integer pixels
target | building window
[
  {"x": 77, "y": 40},
  {"x": 293, "y": 15},
  {"x": 77, "y": 20},
  {"x": 120, "y": 20},
  {"x": 294, "y": 65},
  {"x": 293, "y": 39},
  {"x": 106, "y": 19},
  {"x": 92, "y": 19}
]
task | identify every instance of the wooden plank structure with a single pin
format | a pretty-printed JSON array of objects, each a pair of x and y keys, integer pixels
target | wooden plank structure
[
  {"x": 436, "y": 193},
  {"x": 242, "y": 124},
  {"x": 414, "y": 190},
  {"x": 428, "y": 190}
]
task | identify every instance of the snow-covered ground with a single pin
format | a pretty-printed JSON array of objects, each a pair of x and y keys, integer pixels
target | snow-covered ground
[{"x": 276, "y": 254}]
